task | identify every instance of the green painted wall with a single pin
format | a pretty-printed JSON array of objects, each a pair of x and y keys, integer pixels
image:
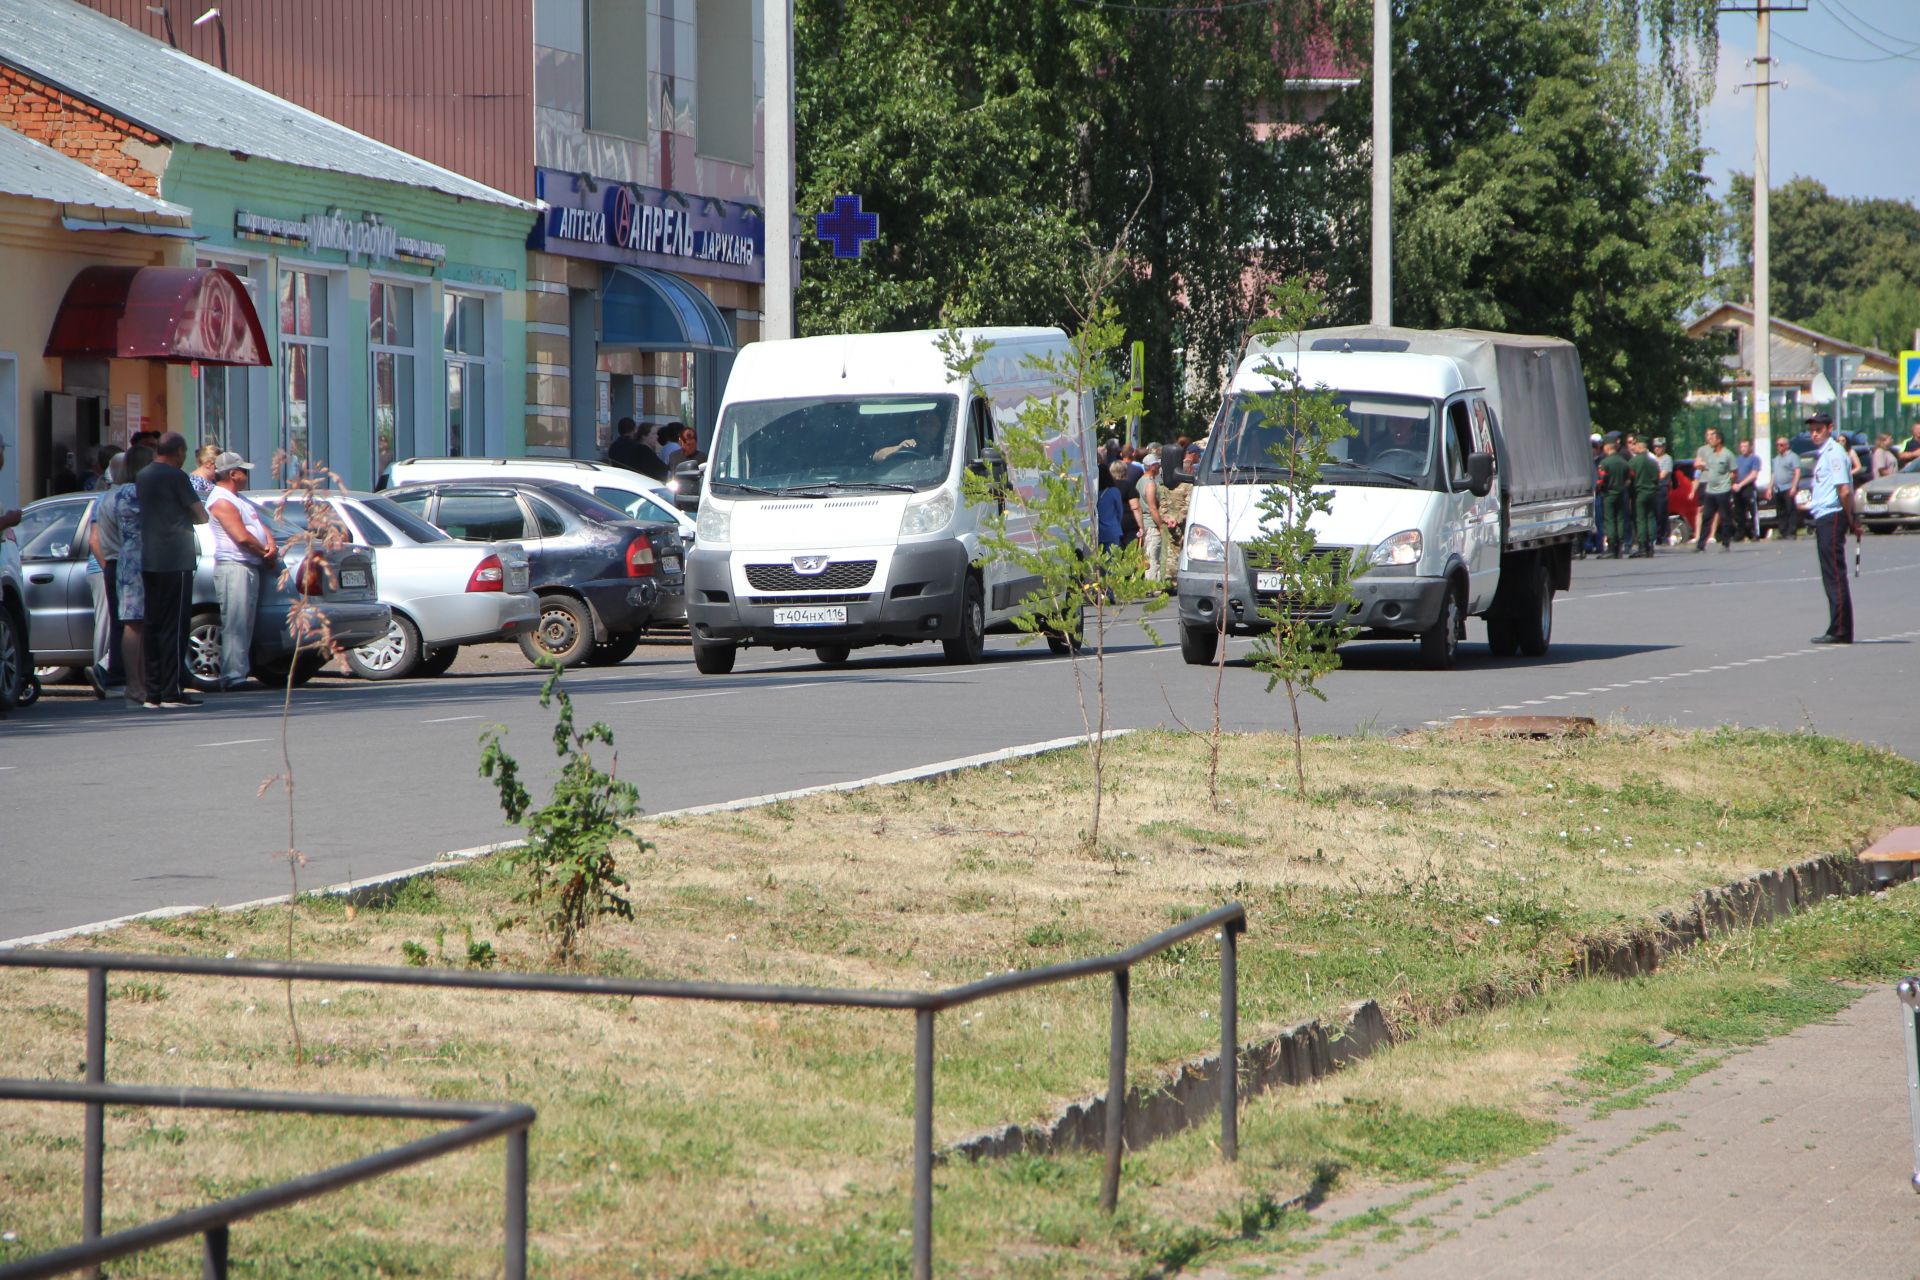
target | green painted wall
[{"x": 485, "y": 250}]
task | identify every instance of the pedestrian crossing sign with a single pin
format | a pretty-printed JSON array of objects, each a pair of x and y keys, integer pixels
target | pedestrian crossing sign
[{"x": 1910, "y": 377}]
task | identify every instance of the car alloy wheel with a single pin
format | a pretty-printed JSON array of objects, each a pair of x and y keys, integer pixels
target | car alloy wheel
[
  {"x": 203, "y": 652},
  {"x": 391, "y": 657},
  {"x": 13, "y": 660}
]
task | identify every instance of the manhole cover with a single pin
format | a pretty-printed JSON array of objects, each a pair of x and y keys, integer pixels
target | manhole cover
[{"x": 1522, "y": 726}]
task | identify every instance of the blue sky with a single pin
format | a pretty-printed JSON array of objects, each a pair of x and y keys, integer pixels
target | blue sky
[{"x": 1854, "y": 125}]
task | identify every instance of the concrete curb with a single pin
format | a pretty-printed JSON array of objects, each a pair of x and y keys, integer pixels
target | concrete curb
[
  {"x": 377, "y": 889},
  {"x": 1188, "y": 1094}
]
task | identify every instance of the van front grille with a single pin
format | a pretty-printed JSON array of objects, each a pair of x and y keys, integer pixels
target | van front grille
[{"x": 840, "y": 575}]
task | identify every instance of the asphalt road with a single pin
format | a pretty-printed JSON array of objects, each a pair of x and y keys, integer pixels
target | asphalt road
[{"x": 106, "y": 812}]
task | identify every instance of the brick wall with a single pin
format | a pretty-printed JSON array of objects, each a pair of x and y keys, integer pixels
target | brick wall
[{"x": 76, "y": 128}]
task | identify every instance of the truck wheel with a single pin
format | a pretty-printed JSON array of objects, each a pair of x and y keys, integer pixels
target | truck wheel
[
  {"x": 1502, "y": 637},
  {"x": 1440, "y": 643},
  {"x": 714, "y": 659},
  {"x": 970, "y": 645},
  {"x": 1534, "y": 629},
  {"x": 1199, "y": 644},
  {"x": 833, "y": 654}
]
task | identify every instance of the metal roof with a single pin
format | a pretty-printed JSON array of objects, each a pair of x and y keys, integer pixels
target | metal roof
[
  {"x": 150, "y": 83},
  {"x": 29, "y": 168}
]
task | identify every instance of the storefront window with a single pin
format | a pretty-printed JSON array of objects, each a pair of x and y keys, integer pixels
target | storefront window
[
  {"x": 390, "y": 337},
  {"x": 464, "y": 319},
  {"x": 226, "y": 401},
  {"x": 303, "y": 376}
]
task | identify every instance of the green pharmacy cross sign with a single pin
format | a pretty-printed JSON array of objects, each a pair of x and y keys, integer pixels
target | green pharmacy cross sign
[{"x": 847, "y": 228}]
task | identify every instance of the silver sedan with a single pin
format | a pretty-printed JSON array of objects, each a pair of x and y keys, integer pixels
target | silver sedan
[
  {"x": 1891, "y": 502},
  {"x": 443, "y": 593}
]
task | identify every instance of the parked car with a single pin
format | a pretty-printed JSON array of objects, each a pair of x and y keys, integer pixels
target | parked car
[
  {"x": 60, "y": 602},
  {"x": 16, "y": 661},
  {"x": 1891, "y": 502},
  {"x": 588, "y": 475},
  {"x": 443, "y": 593},
  {"x": 602, "y": 578}
]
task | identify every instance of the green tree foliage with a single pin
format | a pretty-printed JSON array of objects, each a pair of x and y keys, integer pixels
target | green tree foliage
[
  {"x": 996, "y": 137},
  {"x": 1846, "y": 267},
  {"x": 568, "y": 853},
  {"x": 1546, "y": 180},
  {"x": 1307, "y": 616}
]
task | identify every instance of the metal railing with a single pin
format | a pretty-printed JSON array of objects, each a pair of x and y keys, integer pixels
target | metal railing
[
  {"x": 1229, "y": 920},
  {"x": 1908, "y": 989},
  {"x": 480, "y": 1121}
]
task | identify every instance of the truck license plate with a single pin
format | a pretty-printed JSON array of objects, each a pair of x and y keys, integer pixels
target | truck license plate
[
  {"x": 1267, "y": 582},
  {"x": 351, "y": 578},
  {"x": 816, "y": 615}
]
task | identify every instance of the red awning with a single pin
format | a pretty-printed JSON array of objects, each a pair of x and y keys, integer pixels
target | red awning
[{"x": 176, "y": 314}]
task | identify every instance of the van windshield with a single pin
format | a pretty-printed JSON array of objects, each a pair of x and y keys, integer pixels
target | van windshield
[
  {"x": 1392, "y": 442},
  {"x": 835, "y": 442}
]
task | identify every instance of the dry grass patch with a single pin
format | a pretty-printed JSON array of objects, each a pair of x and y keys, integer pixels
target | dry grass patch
[{"x": 695, "y": 1139}]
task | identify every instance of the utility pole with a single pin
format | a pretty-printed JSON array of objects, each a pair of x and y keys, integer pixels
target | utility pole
[
  {"x": 1382, "y": 163},
  {"x": 776, "y": 308},
  {"x": 1762, "y": 192}
]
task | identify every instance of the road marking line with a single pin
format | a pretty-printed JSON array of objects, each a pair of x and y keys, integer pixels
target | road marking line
[
  {"x": 237, "y": 742},
  {"x": 449, "y": 719},
  {"x": 674, "y": 697}
]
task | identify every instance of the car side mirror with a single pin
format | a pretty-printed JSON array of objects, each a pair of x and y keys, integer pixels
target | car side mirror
[{"x": 1480, "y": 474}]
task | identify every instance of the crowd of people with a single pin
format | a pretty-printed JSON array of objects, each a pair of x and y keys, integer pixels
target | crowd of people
[
  {"x": 1142, "y": 503},
  {"x": 653, "y": 452},
  {"x": 144, "y": 552}
]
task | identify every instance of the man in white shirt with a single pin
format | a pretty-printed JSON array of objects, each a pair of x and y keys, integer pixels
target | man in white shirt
[
  {"x": 1831, "y": 507},
  {"x": 243, "y": 549}
]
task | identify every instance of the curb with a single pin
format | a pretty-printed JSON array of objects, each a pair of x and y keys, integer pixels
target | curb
[
  {"x": 1188, "y": 1094},
  {"x": 373, "y": 890}
]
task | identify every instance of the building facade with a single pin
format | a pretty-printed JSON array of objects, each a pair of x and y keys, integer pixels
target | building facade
[
  {"x": 391, "y": 289},
  {"x": 635, "y": 124}
]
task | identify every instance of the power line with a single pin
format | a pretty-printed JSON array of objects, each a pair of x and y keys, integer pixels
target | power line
[
  {"x": 1886, "y": 55},
  {"x": 1197, "y": 9},
  {"x": 1842, "y": 13}
]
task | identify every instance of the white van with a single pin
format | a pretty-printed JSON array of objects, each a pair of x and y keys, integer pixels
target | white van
[
  {"x": 641, "y": 497},
  {"x": 831, "y": 512}
]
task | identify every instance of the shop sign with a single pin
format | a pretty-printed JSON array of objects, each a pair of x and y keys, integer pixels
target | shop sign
[
  {"x": 364, "y": 237},
  {"x": 621, "y": 222}
]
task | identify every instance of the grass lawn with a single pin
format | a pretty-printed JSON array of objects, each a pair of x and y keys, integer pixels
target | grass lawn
[{"x": 679, "y": 1139}]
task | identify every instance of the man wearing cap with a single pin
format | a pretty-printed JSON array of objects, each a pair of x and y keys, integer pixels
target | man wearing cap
[
  {"x": 1153, "y": 519},
  {"x": 1661, "y": 517},
  {"x": 1786, "y": 479},
  {"x": 1644, "y": 483},
  {"x": 243, "y": 548},
  {"x": 1831, "y": 507}
]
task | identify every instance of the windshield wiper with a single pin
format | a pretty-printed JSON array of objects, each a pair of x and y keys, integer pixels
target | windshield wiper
[
  {"x": 886, "y": 485},
  {"x": 1394, "y": 476},
  {"x": 744, "y": 487}
]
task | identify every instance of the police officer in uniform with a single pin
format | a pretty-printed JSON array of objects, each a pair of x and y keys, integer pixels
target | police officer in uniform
[
  {"x": 1831, "y": 507},
  {"x": 1613, "y": 482},
  {"x": 1645, "y": 475}
]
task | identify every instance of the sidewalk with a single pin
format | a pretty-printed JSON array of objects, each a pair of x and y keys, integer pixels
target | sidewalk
[{"x": 1793, "y": 1159}]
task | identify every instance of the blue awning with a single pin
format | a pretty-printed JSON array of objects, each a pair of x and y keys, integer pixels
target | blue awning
[{"x": 649, "y": 310}]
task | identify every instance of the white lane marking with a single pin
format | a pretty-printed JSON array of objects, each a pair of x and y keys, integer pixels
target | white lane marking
[
  {"x": 449, "y": 719},
  {"x": 6, "y": 768},
  {"x": 674, "y": 697},
  {"x": 237, "y": 742}
]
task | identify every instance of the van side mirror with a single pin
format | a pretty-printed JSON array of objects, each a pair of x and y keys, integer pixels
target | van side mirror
[
  {"x": 686, "y": 485},
  {"x": 1480, "y": 474},
  {"x": 991, "y": 467}
]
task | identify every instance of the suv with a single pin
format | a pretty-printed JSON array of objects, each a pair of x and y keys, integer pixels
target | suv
[{"x": 602, "y": 578}]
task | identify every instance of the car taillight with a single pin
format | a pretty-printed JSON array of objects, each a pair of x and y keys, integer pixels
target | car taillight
[
  {"x": 488, "y": 575},
  {"x": 640, "y": 561},
  {"x": 311, "y": 579}
]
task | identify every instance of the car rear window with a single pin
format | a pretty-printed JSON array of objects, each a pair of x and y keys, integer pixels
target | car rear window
[
  {"x": 409, "y": 524},
  {"x": 582, "y": 503}
]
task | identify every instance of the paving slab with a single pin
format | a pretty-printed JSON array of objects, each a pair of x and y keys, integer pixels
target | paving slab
[{"x": 1791, "y": 1159}]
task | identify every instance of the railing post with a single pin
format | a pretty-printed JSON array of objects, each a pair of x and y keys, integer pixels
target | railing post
[
  {"x": 94, "y": 1154},
  {"x": 213, "y": 1254},
  {"x": 1229, "y": 1042},
  {"x": 1116, "y": 1089},
  {"x": 515, "y": 1261},
  {"x": 1908, "y": 990},
  {"x": 923, "y": 1144}
]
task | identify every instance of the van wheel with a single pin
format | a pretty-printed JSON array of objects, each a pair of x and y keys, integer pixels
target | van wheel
[
  {"x": 563, "y": 633},
  {"x": 1502, "y": 637},
  {"x": 714, "y": 659},
  {"x": 203, "y": 651},
  {"x": 1199, "y": 643},
  {"x": 1534, "y": 629},
  {"x": 970, "y": 645},
  {"x": 833, "y": 654},
  {"x": 1440, "y": 643}
]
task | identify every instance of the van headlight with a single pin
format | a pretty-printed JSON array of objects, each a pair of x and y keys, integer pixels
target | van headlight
[
  {"x": 716, "y": 523},
  {"x": 1204, "y": 545},
  {"x": 927, "y": 515},
  {"x": 1401, "y": 551}
]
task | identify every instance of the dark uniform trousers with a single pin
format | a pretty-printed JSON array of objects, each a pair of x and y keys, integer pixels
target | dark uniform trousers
[{"x": 1830, "y": 539}]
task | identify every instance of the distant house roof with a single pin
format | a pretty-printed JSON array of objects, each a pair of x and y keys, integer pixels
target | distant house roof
[
  {"x": 29, "y": 168},
  {"x": 1319, "y": 63},
  {"x": 152, "y": 84},
  {"x": 1794, "y": 352}
]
